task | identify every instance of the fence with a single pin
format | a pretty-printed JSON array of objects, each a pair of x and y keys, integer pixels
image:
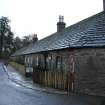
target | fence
[{"x": 55, "y": 79}]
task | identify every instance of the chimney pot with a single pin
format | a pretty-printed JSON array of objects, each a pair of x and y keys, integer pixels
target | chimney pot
[{"x": 60, "y": 24}]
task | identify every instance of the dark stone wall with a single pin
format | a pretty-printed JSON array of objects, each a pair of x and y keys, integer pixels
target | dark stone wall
[
  {"x": 89, "y": 68},
  {"x": 90, "y": 71}
]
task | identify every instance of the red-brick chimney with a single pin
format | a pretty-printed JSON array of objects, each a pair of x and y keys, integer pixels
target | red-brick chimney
[{"x": 61, "y": 25}]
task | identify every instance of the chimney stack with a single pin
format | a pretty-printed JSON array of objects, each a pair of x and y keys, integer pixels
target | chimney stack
[
  {"x": 35, "y": 38},
  {"x": 104, "y": 5},
  {"x": 61, "y": 25}
]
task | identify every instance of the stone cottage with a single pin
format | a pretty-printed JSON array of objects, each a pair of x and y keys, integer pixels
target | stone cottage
[{"x": 73, "y": 58}]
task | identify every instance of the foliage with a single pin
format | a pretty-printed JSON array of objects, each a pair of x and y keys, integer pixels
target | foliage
[
  {"x": 9, "y": 44},
  {"x": 6, "y": 37},
  {"x": 17, "y": 43},
  {"x": 29, "y": 39},
  {"x": 24, "y": 42}
]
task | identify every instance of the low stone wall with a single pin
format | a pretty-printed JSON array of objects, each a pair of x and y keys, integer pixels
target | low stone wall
[{"x": 19, "y": 67}]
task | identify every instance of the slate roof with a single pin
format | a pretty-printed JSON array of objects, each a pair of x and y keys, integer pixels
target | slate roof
[
  {"x": 86, "y": 33},
  {"x": 21, "y": 50}
]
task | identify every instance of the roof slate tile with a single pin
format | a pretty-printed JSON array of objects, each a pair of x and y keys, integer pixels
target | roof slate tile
[{"x": 86, "y": 33}]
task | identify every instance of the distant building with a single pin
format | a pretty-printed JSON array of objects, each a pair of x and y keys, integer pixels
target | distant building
[{"x": 73, "y": 58}]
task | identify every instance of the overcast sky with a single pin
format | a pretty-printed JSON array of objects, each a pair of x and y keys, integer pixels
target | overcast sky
[{"x": 40, "y": 16}]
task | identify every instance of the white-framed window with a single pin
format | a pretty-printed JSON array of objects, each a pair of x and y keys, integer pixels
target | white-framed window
[
  {"x": 28, "y": 59},
  {"x": 49, "y": 61},
  {"x": 31, "y": 59},
  {"x": 59, "y": 63},
  {"x": 25, "y": 59},
  {"x": 37, "y": 60}
]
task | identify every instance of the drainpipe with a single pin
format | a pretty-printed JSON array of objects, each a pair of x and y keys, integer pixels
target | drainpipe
[{"x": 72, "y": 63}]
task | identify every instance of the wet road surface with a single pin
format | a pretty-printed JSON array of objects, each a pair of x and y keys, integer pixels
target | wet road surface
[{"x": 14, "y": 94}]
